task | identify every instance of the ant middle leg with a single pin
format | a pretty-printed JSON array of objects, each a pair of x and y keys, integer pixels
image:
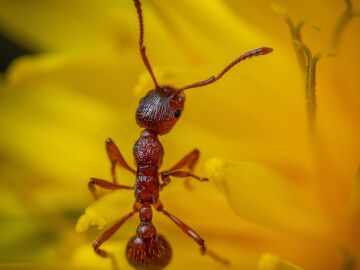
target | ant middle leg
[
  {"x": 191, "y": 233},
  {"x": 93, "y": 182},
  {"x": 189, "y": 161},
  {"x": 106, "y": 235},
  {"x": 165, "y": 177},
  {"x": 116, "y": 158}
]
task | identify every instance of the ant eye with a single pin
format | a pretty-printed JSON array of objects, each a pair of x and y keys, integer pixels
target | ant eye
[{"x": 177, "y": 113}]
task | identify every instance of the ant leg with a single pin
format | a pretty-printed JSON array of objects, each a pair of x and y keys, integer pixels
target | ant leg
[
  {"x": 189, "y": 161},
  {"x": 191, "y": 233},
  {"x": 104, "y": 184},
  {"x": 116, "y": 158},
  {"x": 106, "y": 235},
  {"x": 165, "y": 177}
]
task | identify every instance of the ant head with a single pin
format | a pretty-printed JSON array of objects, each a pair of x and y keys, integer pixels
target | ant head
[{"x": 160, "y": 109}]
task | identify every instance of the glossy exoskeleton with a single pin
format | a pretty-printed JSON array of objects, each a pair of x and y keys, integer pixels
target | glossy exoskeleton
[{"x": 157, "y": 114}]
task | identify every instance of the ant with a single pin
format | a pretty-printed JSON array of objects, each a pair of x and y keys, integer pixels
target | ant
[{"x": 157, "y": 113}]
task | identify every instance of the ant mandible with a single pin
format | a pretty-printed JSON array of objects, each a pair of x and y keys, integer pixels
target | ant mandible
[{"x": 158, "y": 112}]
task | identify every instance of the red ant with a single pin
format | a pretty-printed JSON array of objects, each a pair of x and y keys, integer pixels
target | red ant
[{"x": 158, "y": 112}]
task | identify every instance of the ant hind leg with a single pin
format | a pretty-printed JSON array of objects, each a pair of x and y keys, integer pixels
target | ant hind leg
[
  {"x": 193, "y": 234},
  {"x": 106, "y": 235}
]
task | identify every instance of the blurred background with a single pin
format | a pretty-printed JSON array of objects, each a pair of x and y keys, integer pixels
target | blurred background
[{"x": 71, "y": 76}]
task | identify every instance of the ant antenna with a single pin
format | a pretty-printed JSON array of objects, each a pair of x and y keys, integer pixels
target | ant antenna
[
  {"x": 212, "y": 79},
  {"x": 141, "y": 42}
]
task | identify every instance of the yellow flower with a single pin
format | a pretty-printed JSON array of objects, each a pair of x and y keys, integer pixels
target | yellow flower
[{"x": 282, "y": 194}]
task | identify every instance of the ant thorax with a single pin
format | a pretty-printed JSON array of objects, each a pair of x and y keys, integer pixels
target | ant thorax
[{"x": 160, "y": 109}]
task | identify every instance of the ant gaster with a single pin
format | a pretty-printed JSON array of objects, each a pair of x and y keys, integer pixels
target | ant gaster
[{"x": 158, "y": 112}]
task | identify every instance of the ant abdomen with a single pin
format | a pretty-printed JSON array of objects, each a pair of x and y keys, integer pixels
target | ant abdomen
[{"x": 148, "y": 254}]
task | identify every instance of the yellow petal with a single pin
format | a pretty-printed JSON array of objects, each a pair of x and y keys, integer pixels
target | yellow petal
[
  {"x": 103, "y": 211},
  {"x": 85, "y": 257},
  {"x": 45, "y": 126},
  {"x": 113, "y": 77},
  {"x": 354, "y": 208},
  {"x": 271, "y": 262},
  {"x": 67, "y": 25},
  {"x": 261, "y": 195},
  {"x": 39, "y": 266}
]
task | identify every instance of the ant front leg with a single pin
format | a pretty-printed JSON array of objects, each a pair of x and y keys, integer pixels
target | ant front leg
[
  {"x": 116, "y": 158},
  {"x": 189, "y": 161},
  {"x": 106, "y": 235},
  {"x": 191, "y": 233},
  {"x": 93, "y": 182}
]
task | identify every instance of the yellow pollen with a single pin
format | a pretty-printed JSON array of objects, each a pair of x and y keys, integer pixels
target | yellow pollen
[
  {"x": 90, "y": 218},
  {"x": 215, "y": 168}
]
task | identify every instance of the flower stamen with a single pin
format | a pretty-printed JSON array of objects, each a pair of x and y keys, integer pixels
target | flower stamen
[
  {"x": 343, "y": 21},
  {"x": 349, "y": 261},
  {"x": 295, "y": 31},
  {"x": 310, "y": 81},
  {"x": 307, "y": 62}
]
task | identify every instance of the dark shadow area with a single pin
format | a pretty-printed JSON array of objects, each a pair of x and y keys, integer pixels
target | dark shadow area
[{"x": 9, "y": 50}]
